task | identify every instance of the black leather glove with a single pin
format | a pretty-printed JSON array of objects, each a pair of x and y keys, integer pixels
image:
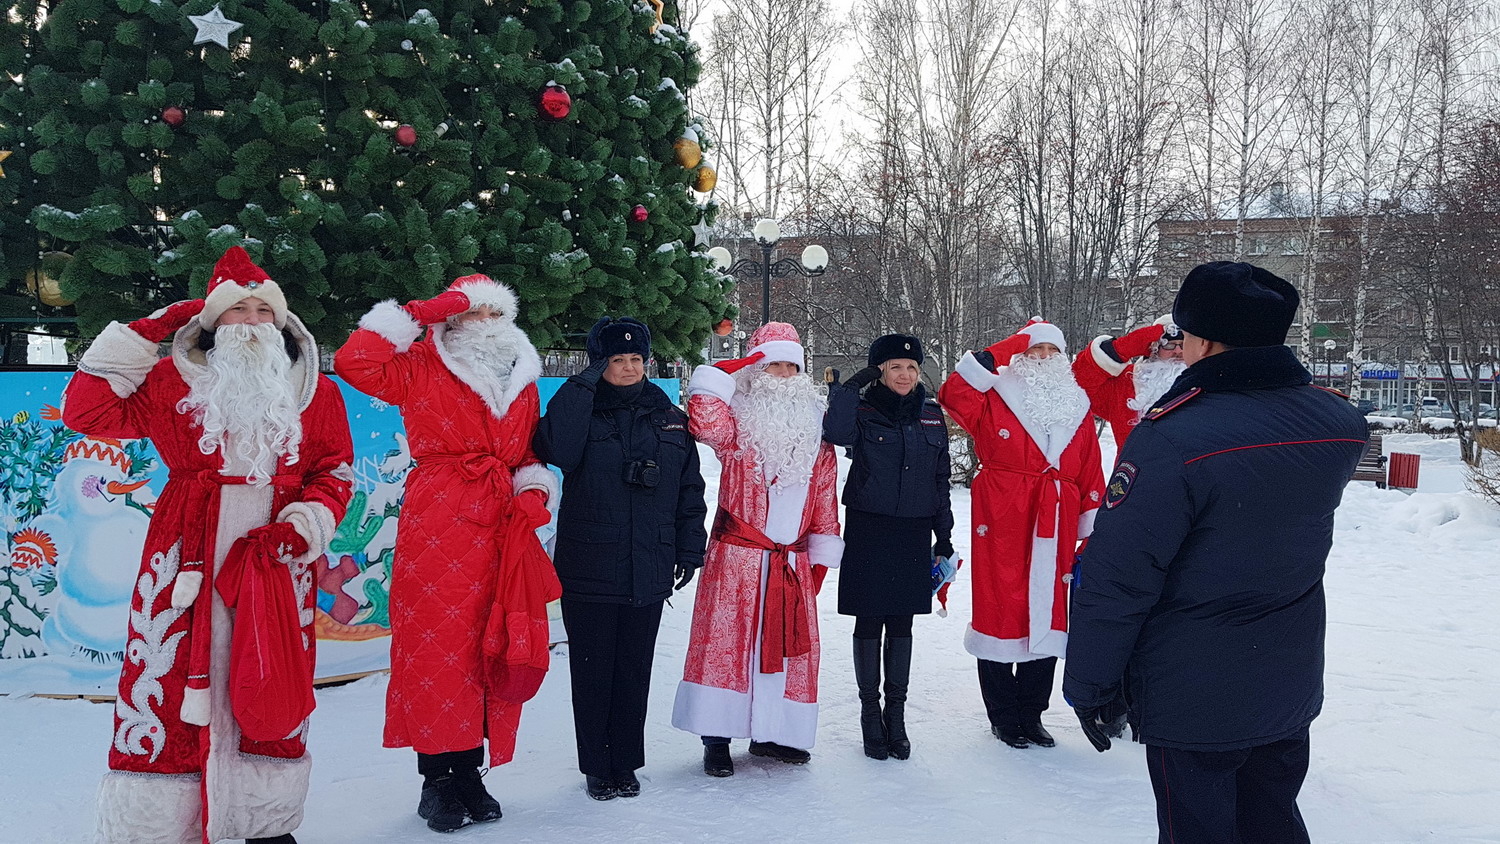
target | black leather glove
[
  {"x": 986, "y": 359},
  {"x": 684, "y": 574},
  {"x": 591, "y": 374},
  {"x": 1104, "y": 722},
  {"x": 943, "y": 548},
  {"x": 864, "y": 377}
]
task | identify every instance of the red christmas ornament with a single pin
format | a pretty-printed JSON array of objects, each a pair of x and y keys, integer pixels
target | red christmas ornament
[
  {"x": 173, "y": 116},
  {"x": 639, "y": 214},
  {"x": 405, "y": 135},
  {"x": 724, "y": 327},
  {"x": 556, "y": 103}
]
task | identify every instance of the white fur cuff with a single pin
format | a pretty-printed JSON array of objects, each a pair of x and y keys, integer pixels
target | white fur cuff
[
  {"x": 121, "y": 357},
  {"x": 185, "y": 588},
  {"x": 1086, "y": 523},
  {"x": 712, "y": 381},
  {"x": 314, "y": 523},
  {"x": 825, "y": 550},
  {"x": 195, "y": 706},
  {"x": 392, "y": 322},
  {"x": 536, "y": 476},
  {"x": 975, "y": 373},
  {"x": 1106, "y": 363}
]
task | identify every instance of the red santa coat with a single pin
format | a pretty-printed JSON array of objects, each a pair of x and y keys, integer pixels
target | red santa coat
[
  {"x": 470, "y": 436},
  {"x": 1035, "y": 496},
  {"x": 723, "y": 691},
  {"x": 180, "y": 771},
  {"x": 1110, "y": 386}
]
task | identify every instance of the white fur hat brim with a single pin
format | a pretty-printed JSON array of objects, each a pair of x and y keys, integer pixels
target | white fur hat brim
[{"x": 228, "y": 294}]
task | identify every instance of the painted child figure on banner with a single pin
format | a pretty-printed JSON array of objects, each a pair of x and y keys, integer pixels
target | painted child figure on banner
[
  {"x": 752, "y": 658},
  {"x": 1035, "y": 497},
  {"x": 1124, "y": 376},
  {"x": 257, "y": 443},
  {"x": 470, "y": 582}
]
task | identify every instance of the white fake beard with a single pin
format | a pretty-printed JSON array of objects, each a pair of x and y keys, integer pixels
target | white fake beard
[
  {"x": 781, "y": 420},
  {"x": 1153, "y": 378},
  {"x": 487, "y": 346},
  {"x": 1052, "y": 396},
  {"x": 245, "y": 402}
]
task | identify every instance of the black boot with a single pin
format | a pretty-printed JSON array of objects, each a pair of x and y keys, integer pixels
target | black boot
[
  {"x": 441, "y": 806},
  {"x": 867, "y": 677},
  {"x": 469, "y": 783},
  {"x": 780, "y": 752},
  {"x": 600, "y": 788},
  {"x": 284, "y": 838},
  {"x": 1037, "y": 734},
  {"x": 716, "y": 761},
  {"x": 627, "y": 784},
  {"x": 897, "y": 676}
]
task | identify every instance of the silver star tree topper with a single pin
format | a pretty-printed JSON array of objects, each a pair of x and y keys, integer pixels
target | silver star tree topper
[{"x": 214, "y": 27}]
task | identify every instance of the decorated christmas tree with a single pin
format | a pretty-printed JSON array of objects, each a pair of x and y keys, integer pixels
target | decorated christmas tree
[{"x": 359, "y": 151}]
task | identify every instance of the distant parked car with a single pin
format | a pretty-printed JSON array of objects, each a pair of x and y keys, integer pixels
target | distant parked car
[{"x": 1364, "y": 406}]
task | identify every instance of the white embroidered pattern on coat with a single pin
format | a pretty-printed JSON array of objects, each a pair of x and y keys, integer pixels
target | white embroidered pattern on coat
[
  {"x": 156, "y": 653},
  {"x": 302, "y": 581}
]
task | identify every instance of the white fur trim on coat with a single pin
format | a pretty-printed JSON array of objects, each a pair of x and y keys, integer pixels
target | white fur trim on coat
[
  {"x": 497, "y": 396},
  {"x": 492, "y": 293},
  {"x": 978, "y": 376},
  {"x": 825, "y": 550},
  {"x": 536, "y": 476},
  {"x": 136, "y": 808},
  {"x": 121, "y": 357},
  {"x": 1106, "y": 363},
  {"x": 712, "y": 381},
  {"x": 392, "y": 322},
  {"x": 314, "y": 523},
  {"x": 781, "y": 350},
  {"x": 1052, "y": 442},
  {"x": 195, "y": 705}
]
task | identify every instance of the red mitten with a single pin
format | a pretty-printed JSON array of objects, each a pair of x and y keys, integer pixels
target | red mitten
[
  {"x": 733, "y": 366},
  {"x": 532, "y": 507},
  {"x": 1140, "y": 342},
  {"x": 1008, "y": 348},
  {"x": 438, "y": 308},
  {"x": 165, "y": 322},
  {"x": 282, "y": 537}
]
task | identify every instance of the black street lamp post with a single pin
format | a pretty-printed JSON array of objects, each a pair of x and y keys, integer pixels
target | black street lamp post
[{"x": 813, "y": 262}]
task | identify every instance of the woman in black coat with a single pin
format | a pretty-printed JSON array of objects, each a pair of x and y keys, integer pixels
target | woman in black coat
[
  {"x": 897, "y": 519},
  {"x": 629, "y": 525}
]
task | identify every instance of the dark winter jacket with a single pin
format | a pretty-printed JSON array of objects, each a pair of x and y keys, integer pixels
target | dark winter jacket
[
  {"x": 900, "y": 453},
  {"x": 1205, "y": 568},
  {"x": 617, "y": 540}
]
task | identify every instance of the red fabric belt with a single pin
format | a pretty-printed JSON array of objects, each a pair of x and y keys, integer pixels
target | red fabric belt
[
  {"x": 784, "y": 631},
  {"x": 1046, "y": 513}
]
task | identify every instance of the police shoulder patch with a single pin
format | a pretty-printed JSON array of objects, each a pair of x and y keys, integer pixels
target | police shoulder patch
[
  {"x": 1119, "y": 485},
  {"x": 1163, "y": 409}
]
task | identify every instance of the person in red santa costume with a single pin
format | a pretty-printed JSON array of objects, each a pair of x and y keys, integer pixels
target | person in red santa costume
[
  {"x": 257, "y": 443},
  {"x": 752, "y": 658},
  {"x": 1121, "y": 391},
  {"x": 469, "y": 582},
  {"x": 1038, "y": 488}
]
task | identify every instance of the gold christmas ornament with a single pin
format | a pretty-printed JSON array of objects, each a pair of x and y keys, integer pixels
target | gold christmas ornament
[
  {"x": 689, "y": 153},
  {"x": 705, "y": 180},
  {"x": 44, "y": 280}
]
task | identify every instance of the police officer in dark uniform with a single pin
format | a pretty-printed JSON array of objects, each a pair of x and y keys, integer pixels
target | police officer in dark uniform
[
  {"x": 630, "y": 524},
  {"x": 897, "y": 518},
  {"x": 1205, "y": 569}
]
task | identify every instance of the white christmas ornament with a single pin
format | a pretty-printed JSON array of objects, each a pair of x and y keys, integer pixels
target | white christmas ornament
[
  {"x": 214, "y": 27},
  {"x": 702, "y": 232}
]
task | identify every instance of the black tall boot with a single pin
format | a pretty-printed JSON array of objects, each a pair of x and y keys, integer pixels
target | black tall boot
[
  {"x": 897, "y": 676},
  {"x": 867, "y": 677}
]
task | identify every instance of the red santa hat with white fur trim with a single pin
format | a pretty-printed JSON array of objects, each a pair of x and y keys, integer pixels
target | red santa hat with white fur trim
[
  {"x": 778, "y": 341},
  {"x": 483, "y": 290},
  {"x": 236, "y": 277},
  {"x": 1041, "y": 331}
]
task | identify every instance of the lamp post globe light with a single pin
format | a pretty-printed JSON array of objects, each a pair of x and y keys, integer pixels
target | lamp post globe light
[
  {"x": 813, "y": 262},
  {"x": 1328, "y": 347}
]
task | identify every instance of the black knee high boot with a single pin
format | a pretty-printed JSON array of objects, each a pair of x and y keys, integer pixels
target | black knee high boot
[
  {"x": 897, "y": 676},
  {"x": 867, "y": 676}
]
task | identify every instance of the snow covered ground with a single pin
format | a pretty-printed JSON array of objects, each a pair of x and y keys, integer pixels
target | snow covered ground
[{"x": 1407, "y": 749}]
